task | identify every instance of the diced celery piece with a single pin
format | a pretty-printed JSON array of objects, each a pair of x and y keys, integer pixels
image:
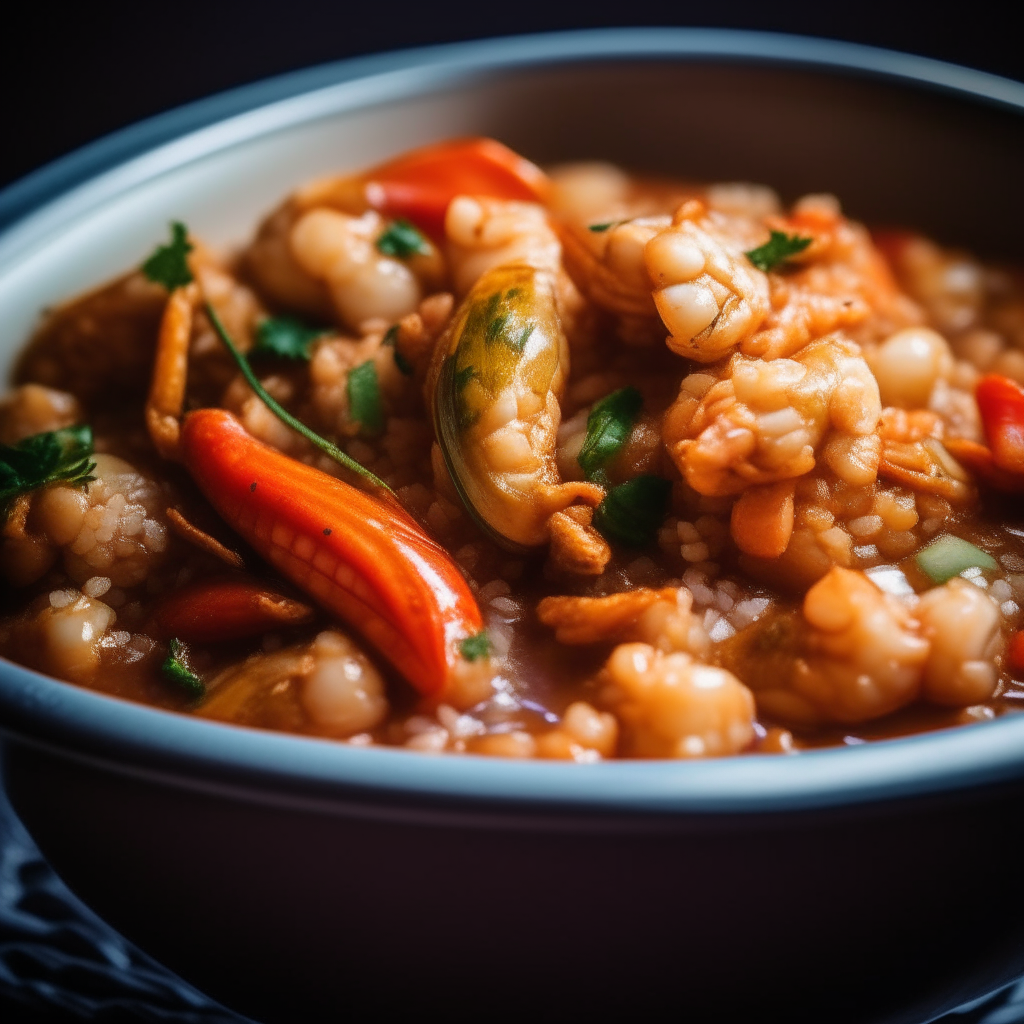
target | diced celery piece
[{"x": 949, "y": 556}]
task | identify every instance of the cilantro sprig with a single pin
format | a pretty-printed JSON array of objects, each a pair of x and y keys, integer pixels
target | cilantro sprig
[
  {"x": 779, "y": 248},
  {"x": 402, "y": 240},
  {"x": 476, "y": 646},
  {"x": 608, "y": 428},
  {"x": 283, "y": 415},
  {"x": 56, "y": 456},
  {"x": 168, "y": 264},
  {"x": 632, "y": 512},
  {"x": 176, "y": 670},
  {"x": 286, "y": 337}
]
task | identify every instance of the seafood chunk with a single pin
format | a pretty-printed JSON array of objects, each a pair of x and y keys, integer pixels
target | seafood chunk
[
  {"x": 495, "y": 383},
  {"x": 669, "y": 705},
  {"x": 752, "y": 421}
]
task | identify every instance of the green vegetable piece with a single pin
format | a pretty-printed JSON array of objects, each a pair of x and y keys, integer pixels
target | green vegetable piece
[
  {"x": 286, "y": 337},
  {"x": 949, "y": 556},
  {"x": 403, "y": 364},
  {"x": 608, "y": 428},
  {"x": 55, "y": 456},
  {"x": 333, "y": 451},
  {"x": 603, "y": 227},
  {"x": 475, "y": 647},
  {"x": 402, "y": 240},
  {"x": 364, "y": 401},
  {"x": 632, "y": 512},
  {"x": 169, "y": 263},
  {"x": 779, "y": 248},
  {"x": 175, "y": 670}
]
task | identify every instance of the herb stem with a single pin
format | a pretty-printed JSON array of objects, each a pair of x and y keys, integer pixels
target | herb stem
[{"x": 286, "y": 417}]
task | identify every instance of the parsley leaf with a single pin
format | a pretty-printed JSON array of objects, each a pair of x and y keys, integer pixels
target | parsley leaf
[
  {"x": 779, "y": 248},
  {"x": 168, "y": 264},
  {"x": 364, "y": 401},
  {"x": 476, "y": 646},
  {"x": 632, "y": 512},
  {"x": 403, "y": 364},
  {"x": 286, "y": 337},
  {"x": 57, "y": 455},
  {"x": 402, "y": 240},
  {"x": 175, "y": 669},
  {"x": 608, "y": 427}
]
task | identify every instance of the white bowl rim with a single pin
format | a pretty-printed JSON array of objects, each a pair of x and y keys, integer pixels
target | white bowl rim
[{"x": 147, "y": 742}]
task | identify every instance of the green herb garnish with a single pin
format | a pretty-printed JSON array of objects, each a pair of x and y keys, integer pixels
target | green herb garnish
[
  {"x": 402, "y": 240},
  {"x": 476, "y": 646},
  {"x": 364, "y": 401},
  {"x": 57, "y": 456},
  {"x": 949, "y": 556},
  {"x": 603, "y": 227},
  {"x": 391, "y": 339},
  {"x": 632, "y": 512},
  {"x": 286, "y": 337},
  {"x": 175, "y": 670},
  {"x": 779, "y": 248},
  {"x": 169, "y": 263},
  {"x": 608, "y": 427},
  {"x": 283, "y": 415}
]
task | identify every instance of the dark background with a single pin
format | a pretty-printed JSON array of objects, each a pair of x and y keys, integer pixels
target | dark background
[{"x": 69, "y": 75}]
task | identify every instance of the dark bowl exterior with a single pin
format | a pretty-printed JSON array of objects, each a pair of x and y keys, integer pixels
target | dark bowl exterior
[{"x": 290, "y": 881}]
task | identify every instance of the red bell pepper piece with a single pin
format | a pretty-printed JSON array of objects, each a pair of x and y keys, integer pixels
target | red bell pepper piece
[
  {"x": 419, "y": 185},
  {"x": 1001, "y": 404}
]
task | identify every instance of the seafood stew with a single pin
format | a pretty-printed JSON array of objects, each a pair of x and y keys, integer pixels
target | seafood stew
[{"x": 459, "y": 455}]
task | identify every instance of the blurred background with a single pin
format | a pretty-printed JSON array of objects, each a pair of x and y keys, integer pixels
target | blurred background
[{"x": 72, "y": 76}]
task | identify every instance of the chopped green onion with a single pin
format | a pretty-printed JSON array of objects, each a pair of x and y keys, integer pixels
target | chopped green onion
[
  {"x": 603, "y": 227},
  {"x": 475, "y": 647},
  {"x": 608, "y": 427},
  {"x": 286, "y": 337},
  {"x": 364, "y": 401},
  {"x": 168, "y": 265},
  {"x": 175, "y": 670},
  {"x": 632, "y": 512},
  {"x": 949, "y": 556},
  {"x": 779, "y": 248},
  {"x": 283, "y": 415},
  {"x": 402, "y": 240}
]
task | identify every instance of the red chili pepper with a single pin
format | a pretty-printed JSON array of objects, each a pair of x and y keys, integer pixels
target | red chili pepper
[
  {"x": 231, "y": 609},
  {"x": 419, "y": 185},
  {"x": 1001, "y": 403},
  {"x": 361, "y": 557},
  {"x": 1015, "y": 652}
]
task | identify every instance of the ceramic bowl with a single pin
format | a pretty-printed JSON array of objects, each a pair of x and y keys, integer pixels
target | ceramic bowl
[{"x": 294, "y": 878}]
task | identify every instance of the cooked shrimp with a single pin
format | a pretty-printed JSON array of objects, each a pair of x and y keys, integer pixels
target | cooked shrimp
[
  {"x": 34, "y": 409},
  {"x": 752, "y": 421},
  {"x": 114, "y": 527},
  {"x": 962, "y": 623},
  {"x": 363, "y": 283},
  {"x": 852, "y": 655},
  {"x": 708, "y": 294},
  {"x": 669, "y": 705}
]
